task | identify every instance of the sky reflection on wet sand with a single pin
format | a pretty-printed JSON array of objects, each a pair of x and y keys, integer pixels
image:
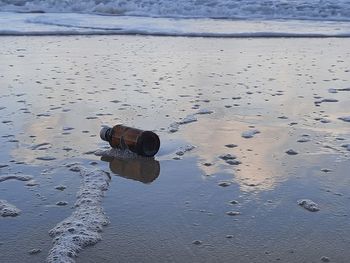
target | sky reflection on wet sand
[{"x": 56, "y": 92}]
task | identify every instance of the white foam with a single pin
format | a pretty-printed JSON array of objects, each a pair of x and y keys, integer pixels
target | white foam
[
  {"x": 90, "y": 24},
  {"x": 250, "y": 133},
  {"x": 19, "y": 177},
  {"x": 308, "y": 205},
  {"x": 227, "y": 156},
  {"x": 7, "y": 209},
  {"x": 117, "y": 153},
  {"x": 182, "y": 150},
  {"x": 173, "y": 127},
  {"x": 60, "y": 187},
  {"x": 188, "y": 119},
  {"x": 83, "y": 227},
  {"x": 32, "y": 183}
]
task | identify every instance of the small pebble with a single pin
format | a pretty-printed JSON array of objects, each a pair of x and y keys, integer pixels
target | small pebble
[
  {"x": 233, "y": 162},
  {"x": 75, "y": 169},
  {"x": 61, "y": 203},
  {"x": 323, "y": 120},
  {"x": 224, "y": 184},
  {"x": 303, "y": 140},
  {"x": 325, "y": 259},
  {"x": 231, "y": 145},
  {"x": 32, "y": 183},
  {"x": 180, "y": 153},
  {"x": 291, "y": 152},
  {"x": 228, "y": 156},
  {"x": 67, "y": 149},
  {"x": 34, "y": 251},
  {"x": 46, "y": 158},
  {"x": 233, "y": 213},
  {"x": 60, "y": 187},
  {"x": 197, "y": 242}
]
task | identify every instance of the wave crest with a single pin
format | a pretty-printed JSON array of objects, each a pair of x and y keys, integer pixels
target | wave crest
[{"x": 232, "y": 9}]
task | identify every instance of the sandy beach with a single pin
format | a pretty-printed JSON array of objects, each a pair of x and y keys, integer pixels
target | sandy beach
[{"x": 249, "y": 128}]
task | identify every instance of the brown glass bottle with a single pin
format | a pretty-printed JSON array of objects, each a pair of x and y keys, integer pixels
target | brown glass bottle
[{"x": 144, "y": 143}]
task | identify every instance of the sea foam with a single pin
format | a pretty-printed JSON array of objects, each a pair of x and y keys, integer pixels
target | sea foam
[
  {"x": 254, "y": 9},
  {"x": 83, "y": 227},
  {"x": 7, "y": 209},
  {"x": 92, "y": 24},
  {"x": 19, "y": 177}
]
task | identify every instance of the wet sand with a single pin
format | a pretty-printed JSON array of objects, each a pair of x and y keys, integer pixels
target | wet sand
[{"x": 248, "y": 128}]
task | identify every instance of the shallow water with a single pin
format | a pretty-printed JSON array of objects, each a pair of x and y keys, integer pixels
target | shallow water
[
  {"x": 54, "y": 24},
  {"x": 56, "y": 92}
]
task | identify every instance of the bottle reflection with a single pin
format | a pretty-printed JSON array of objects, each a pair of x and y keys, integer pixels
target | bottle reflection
[{"x": 144, "y": 170}]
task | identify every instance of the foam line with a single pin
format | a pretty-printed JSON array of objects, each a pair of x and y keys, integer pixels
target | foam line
[{"x": 84, "y": 226}]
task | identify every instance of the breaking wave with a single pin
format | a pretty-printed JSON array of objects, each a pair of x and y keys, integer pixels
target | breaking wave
[{"x": 325, "y": 10}]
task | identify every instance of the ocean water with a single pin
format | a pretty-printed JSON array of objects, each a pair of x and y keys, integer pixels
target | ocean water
[
  {"x": 247, "y": 9},
  {"x": 217, "y": 18}
]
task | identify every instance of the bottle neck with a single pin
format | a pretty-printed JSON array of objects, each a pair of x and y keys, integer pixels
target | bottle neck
[{"x": 106, "y": 134}]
